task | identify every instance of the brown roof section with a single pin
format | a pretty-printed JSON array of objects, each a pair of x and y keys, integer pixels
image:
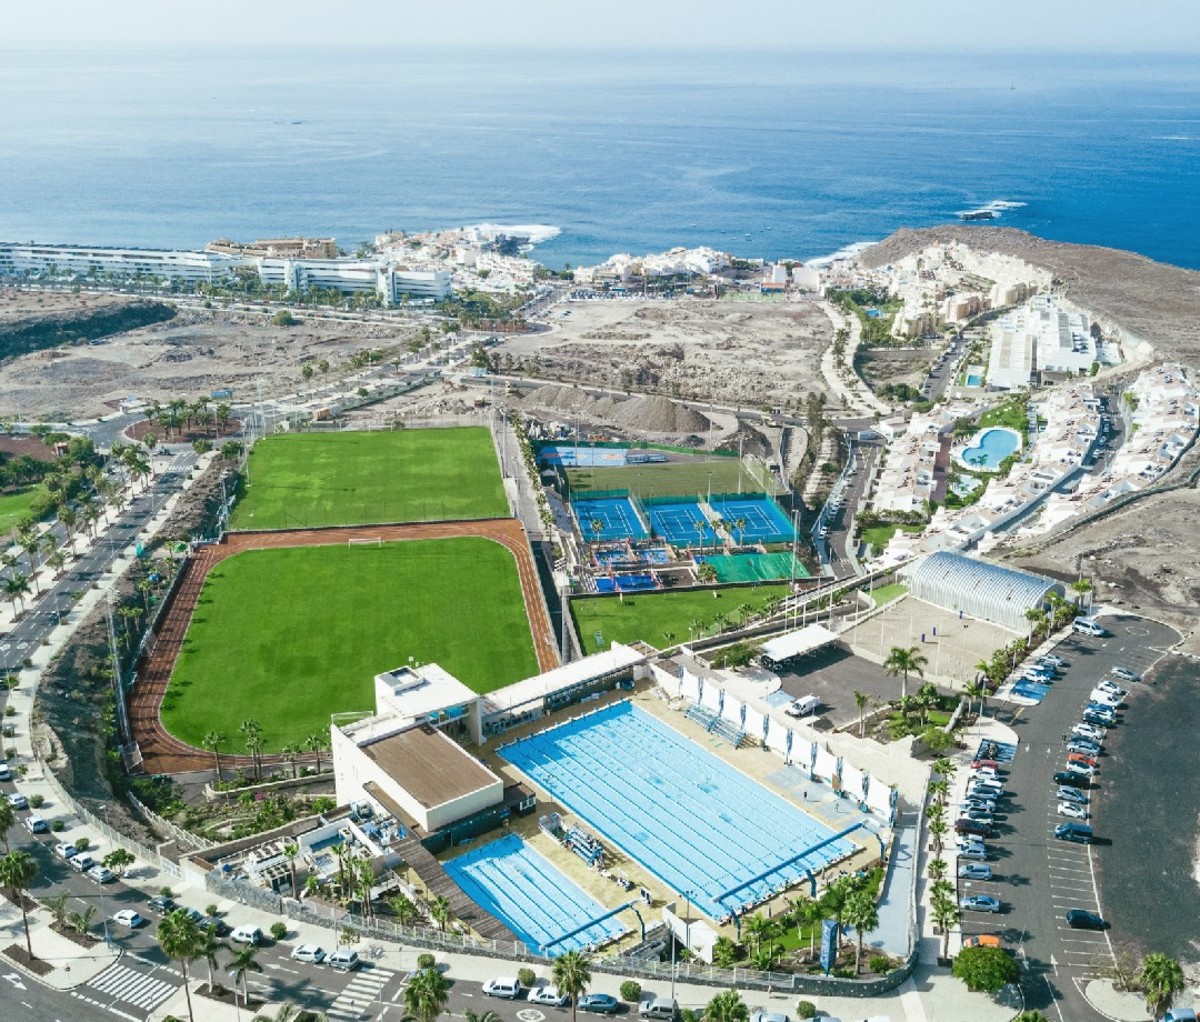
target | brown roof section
[{"x": 430, "y": 766}]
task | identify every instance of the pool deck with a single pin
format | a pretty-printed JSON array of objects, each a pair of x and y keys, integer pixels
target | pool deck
[{"x": 767, "y": 768}]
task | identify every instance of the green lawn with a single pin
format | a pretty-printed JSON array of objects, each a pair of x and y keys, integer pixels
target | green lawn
[
  {"x": 651, "y": 616},
  {"x": 314, "y": 479},
  {"x": 290, "y": 636},
  {"x": 1013, "y": 413},
  {"x": 672, "y": 479},
  {"x": 16, "y": 506},
  {"x": 879, "y": 535},
  {"x": 885, "y": 594}
]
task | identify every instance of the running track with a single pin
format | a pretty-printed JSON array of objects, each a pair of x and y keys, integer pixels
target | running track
[{"x": 163, "y": 754}]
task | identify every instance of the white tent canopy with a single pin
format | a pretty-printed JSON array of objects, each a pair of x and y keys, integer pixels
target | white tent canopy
[{"x": 797, "y": 643}]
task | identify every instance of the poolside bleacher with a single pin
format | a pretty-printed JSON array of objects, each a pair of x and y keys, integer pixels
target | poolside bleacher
[{"x": 716, "y": 725}]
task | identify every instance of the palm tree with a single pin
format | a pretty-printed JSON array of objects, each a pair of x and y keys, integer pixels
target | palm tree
[
  {"x": 57, "y": 906},
  {"x": 179, "y": 936},
  {"x": 427, "y": 995},
  {"x": 315, "y": 742},
  {"x": 937, "y": 869},
  {"x": 8, "y": 816},
  {"x": 1031, "y": 1015},
  {"x": 213, "y": 741},
  {"x": 482, "y": 1016},
  {"x": 1161, "y": 979},
  {"x": 439, "y": 908},
  {"x": 291, "y": 852},
  {"x": 17, "y": 872},
  {"x": 208, "y": 948},
  {"x": 57, "y": 560},
  {"x": 759, "y": 928},
  {"x": 927, "y": 699},
  {"x": 946, "y": 915},
  {"x": 252, "y": 731},
  {"x": 1081, "y": 588},
  {"x": 597, "y": 527},
  {"x": 905, "y": 662},
  {"x": 572, "y": 977},
  {"x": 861, "y": 700},
  {"x": 727, "y": 1006},
  {"x": 289, "y": 753},
  {"x": 938, "y": 829},
  {"x": 16, "y": 587},
  {"x": 1038, "y": 619},
  {"x": 862, "y": 913},
  {"x": 739, "y": 526},
  {"x": 241, "y": 965},
  {"x": 403, "y": 909}
]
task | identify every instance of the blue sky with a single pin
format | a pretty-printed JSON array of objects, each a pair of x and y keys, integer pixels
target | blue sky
[{"x": 896, "y": 25}]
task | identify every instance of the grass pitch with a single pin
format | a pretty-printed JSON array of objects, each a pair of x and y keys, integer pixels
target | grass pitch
[
  {"x": 308, "y": 480},
  {"x": 17, "y": 506},
  {"x": 290, "y": 636},
  {"x": 663, "y": 619}
]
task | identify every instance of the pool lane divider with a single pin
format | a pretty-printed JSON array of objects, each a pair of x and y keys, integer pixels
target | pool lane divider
[
  {"x": 593, "y": 922},
  {"x": 787, "y": 862}
]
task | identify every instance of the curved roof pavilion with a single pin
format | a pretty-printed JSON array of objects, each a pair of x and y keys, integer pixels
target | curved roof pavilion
[{"x": 980, "y": 589}]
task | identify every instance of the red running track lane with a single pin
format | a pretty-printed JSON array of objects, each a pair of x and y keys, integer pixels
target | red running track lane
[{"x": 162, "y": 753}]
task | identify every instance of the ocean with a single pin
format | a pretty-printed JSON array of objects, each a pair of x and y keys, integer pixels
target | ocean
[{"x": 767, "y": 155}]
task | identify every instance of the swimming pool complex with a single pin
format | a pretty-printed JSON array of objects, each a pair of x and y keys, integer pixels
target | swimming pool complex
[
  {"x": 701, "y": 826},
  {"x": 989, "y": 447},
  {"x": 523, "y": 889}
]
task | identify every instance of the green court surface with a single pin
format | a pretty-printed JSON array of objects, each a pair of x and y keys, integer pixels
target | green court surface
[
  {"x": 756, "y": 567},
  {"x": 290, "y": 636},
  {"x": 14, "y": 507},
  {"x": 695, "y": 477},
  {"x": 664, "y": 618},
  {"x": 308, "y": 480}
]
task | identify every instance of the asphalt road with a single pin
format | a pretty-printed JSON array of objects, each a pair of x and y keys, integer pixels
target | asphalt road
[{"x": 1037, "y": 877}]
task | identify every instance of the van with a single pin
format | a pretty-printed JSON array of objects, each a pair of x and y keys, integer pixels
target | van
[
  {"x": 805, "y": 706},
  {"x": 508, "y": 987},
  {"x": 1080, "y": 833},
  {"x": 343, "y": 958},
  {"x": 247, "y": 935},
  {"x": 1086, "y": 626},
  {"x": 663, "y": 1008}
]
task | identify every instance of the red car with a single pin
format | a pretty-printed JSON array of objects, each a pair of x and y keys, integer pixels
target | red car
[
  {"x": 991, "y": 764},
  {"x": 1079, "y": 757}
]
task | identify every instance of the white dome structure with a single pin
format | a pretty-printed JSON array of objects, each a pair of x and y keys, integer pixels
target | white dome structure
[{"x": 980, "y": 589}]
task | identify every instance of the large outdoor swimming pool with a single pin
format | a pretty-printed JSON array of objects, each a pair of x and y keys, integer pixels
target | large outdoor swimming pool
[
  {"x": 703, "y": 828},
  {"x": 990, "y": 447},
  {"x": 537, "y": 901}
]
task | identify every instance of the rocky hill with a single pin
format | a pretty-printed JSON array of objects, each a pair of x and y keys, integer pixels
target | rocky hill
[
  {"x": 1152, "y": 301},
  {"x": 37, "y": 330}
]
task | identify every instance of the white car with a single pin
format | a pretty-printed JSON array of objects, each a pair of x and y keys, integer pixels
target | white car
[
  {"x": 17, "y": 800},
  {"x": 308, "y": 953},
  {"x": 1126, "y": 674},
  {"x": 64, "y": 850},
  {"x": 128, "y": 917},
  {"x": 1104, "y": 697},
  {"x": 548, "y": 995},
  {"x": 101, "y": 874},
  {"x": 36, "y": 825},
  {"x": 1112, "y": 688},
  {"x": 1072, "y": 811},
  {"x": 1096, "y": 734}
]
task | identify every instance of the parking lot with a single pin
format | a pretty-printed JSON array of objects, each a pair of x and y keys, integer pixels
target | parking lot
[
  {"x": 833, "y": 675},
  {"x": 1037, "y": 878}
]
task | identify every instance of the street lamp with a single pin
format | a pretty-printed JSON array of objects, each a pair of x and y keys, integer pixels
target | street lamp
[{"x": 103, "y": 909}]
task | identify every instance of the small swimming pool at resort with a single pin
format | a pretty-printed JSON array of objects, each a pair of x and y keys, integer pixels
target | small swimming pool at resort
[{"x": 990, "y": 447}]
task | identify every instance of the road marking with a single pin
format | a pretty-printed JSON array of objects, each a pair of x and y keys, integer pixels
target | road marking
[{"x": 15, "y": 980}]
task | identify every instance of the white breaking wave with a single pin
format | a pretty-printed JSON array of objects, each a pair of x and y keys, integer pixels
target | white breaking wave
[
  {"x": 847, "y": 252},
  {"x": 533, "y": 234},
  {"x": 996, "y": 207}
]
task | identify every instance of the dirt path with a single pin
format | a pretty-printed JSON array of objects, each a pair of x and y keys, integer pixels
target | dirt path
[{"x": 163, "y": 753}]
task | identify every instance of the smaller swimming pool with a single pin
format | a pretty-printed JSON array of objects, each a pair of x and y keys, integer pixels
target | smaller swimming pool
[
  {"x": 990, "y": 447},
  {"x": 973, "y": 380}
]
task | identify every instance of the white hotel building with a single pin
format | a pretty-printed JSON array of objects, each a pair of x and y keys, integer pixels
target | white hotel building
[{"x": 391, "y": 282}]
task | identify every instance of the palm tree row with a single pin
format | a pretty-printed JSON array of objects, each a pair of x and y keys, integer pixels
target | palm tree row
[
  {"x": 943, "y": 899},
  {"x": 252, "y": 732},
  {"x": 180, "y": 414}
]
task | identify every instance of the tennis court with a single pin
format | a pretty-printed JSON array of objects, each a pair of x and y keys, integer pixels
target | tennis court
[
  {"x": 681, "y": 523},
  {"x": 765, "y": 521},
  {"x": 626, "y": 582},
  {"x": 606, "y": 518},
  {"x": 755, "y": 567},
  {"x": 585, "y": 457}
]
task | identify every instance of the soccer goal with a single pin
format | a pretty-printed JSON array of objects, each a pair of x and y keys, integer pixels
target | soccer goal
[{"x": 369, "y": 541}]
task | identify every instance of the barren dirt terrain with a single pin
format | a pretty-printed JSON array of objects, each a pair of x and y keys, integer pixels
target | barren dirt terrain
[
  {"x": 195, "y": 352},
  {"x": 734, "y": 353}
]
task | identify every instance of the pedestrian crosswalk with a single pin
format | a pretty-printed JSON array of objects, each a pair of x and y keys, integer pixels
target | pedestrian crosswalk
[
  {"x": 360, "y": 993},
  {"x": 134, "y": 987}
]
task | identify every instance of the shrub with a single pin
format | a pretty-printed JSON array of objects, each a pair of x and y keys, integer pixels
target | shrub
[
  {"x": 57, "y": 826},
  {"x": 211, "y": 910},
  {"x": 83, "y": 844},
  {"x": 526, "y": 977},
  {"x": 426, "y": 961},
  {"x": 37, "y": 801},
  {"x": 631, "y": 991},
  {"x": 283, "y": 318},
  {"x": 880, "y": 964},
  {"x": 10, "y": 752},
  {"x": 806, "y": 1009},
  {"x": 279, "y": 930},
  {"x": 166, "y": 892},
  {"x": 10, "y": 711}
]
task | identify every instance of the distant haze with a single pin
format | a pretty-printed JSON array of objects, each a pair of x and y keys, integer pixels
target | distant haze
[{"x": 921, "y": 26}]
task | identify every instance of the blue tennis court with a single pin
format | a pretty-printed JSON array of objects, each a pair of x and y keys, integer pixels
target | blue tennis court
[
  {"x": 584, "y": 457},
  {"x": 681, "y": 523},
  {"x": 765, "y": 521},
  {"x": 524, "y": 890},
  {"x": 625, "y": 582},
  {"x": 614, "y": 515},
  {"x": 696, "y": 823}
]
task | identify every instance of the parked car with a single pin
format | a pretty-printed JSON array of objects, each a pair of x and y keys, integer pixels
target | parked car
[
  {"x": 1111, "y": 687},
  {"x": 1055, "y": 659},
  {"x": 344, "y": 959},
  {"x": 1086, "y": 626},
  {"x": 128, "y": 917},
  {"x": 548, "y": 995},
  {"x": 308, "y": 953},
  {"x": 979, "y": 903},
  {"x": 246, "y": 935},
  {"x": 101, "y": 874},
  {"x": 1098, "y": 719},
  {"x": 1072, "y": 811},
  {"x": 985, "y": 774},
  {"x": 36, "y": 825},
  {"x": 1125, "y": 674},
  {"x": 1071, "y": 779},
  {"x": 1096, "y": 734},
  {"x": 1104, "y": 698},
  {"x": 17, "y": 800},
  {"x": 1073, "y": 795},
  {"x": 984, "y": 804},
  {"x": 975, "y": 871},
  {"x": 1084, "y": 746},
  {"x": 1079, "y": 833},
  {"x": 1081, "y": 759},
  {"x": 987, "y": 764},
  {"x": 977, "y": 827},
  {"x": 1081, "y": 768},
  {"x": 977, "y": 816},
  {"x": 1079, "y": 919},
  {"x": 160, "y": 903},
  {"x": 605, "y": 1004},
  {"x": 5, "y": 772},
  {"x": 64, "y": 850},
  {"x": 508, "y": 987},
  {"x": 976, "y": 853},
  {"x": 985, "y": 790},
  {"x": 82, "y": 862},
  {"x": 1101, "y": 709}
]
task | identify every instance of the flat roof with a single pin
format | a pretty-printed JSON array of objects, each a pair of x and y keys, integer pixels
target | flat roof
[
  {"x": 432, "y": 768},
  {"x": 576, "y": 672},
  {"x": 419, "y": 691},
  {"x": 797, "y": 643}
]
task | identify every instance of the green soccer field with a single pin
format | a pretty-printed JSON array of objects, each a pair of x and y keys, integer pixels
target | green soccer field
[
  {"x": 290, "y": 636},
  {"x": 663, "y": 619},
  {"x": 16, "y": 506},
  {"x": 419, "y": 475}
]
